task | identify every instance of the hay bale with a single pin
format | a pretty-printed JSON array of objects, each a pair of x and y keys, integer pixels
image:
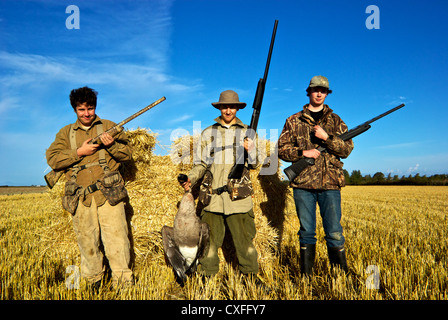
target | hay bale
[
  {"x": 154, "y": 192},
  {"x": 142, "y": 142}
]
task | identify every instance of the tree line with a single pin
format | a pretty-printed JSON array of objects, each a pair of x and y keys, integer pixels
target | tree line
[{"x": 379, "y": 178}]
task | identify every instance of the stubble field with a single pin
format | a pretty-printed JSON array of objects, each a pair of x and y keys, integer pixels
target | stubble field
[{"x": 396, "y": 240}]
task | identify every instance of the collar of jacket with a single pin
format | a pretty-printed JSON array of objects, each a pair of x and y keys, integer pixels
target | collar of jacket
[
  {"x": 78, "y": 125},
  {"x": 306, "y": 115},
  {"x": 237, "y": 123}
]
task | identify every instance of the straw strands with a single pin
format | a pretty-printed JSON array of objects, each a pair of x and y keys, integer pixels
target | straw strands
[
  {"x": 154, "y": 193},
  {"x": 396, "y": 241}
]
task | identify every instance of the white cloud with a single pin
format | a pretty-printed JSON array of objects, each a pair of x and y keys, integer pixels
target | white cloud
[
  {"x": 399, "y": 100},
  {"x": 181, "y": 118},
  {"x": 8, "y": 103},
  {"x": 27, "y": 69},
  {"x": 400, "y": 145},
  {"x": 413, "y": 169}
]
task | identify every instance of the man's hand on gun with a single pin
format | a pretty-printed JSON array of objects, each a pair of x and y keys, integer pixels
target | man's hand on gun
[
  {"x": 313, "y": 153},
  {"x": 107, "y": 139},
  {"x": 321, "y": 134},
  {"x": 87, "y": 148}
]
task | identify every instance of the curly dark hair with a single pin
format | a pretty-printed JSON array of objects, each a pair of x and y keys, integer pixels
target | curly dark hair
[{"x": 83, "y": 95}]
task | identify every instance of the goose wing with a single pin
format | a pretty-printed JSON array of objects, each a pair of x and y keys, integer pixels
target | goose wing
[{"x": 172, "y": 253}]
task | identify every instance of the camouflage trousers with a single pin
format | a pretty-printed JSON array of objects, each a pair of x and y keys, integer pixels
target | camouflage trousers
[
  {"x": 242, "y": 229},
  {"x": 107, "y": 226}
]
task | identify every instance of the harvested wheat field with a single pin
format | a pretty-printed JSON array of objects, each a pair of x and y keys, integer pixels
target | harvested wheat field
[{"x": 396, "y": 240}]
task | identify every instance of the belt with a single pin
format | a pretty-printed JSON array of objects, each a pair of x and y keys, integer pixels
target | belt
[
  {"x": 92, "y": 188},
  {"x": 220, "y": 190}
]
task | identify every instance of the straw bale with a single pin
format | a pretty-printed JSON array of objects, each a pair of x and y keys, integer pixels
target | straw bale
[
  {"x": 142, "y": 142},
  {"x": 151, "y": 181}
]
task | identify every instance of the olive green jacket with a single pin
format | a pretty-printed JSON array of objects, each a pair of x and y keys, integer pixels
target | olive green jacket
[{"x": 219, "y": 145}]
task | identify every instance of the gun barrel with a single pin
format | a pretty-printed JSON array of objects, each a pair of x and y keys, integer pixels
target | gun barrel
[
  {"x": 258, "y": 99},
  {"x": 119, "y": 127},
  {"x": 238, "y": 167},
  {"x": 268, "y": 62},
  {"x": 135, "y": 115},
  {"x": 384, "y": 114}
]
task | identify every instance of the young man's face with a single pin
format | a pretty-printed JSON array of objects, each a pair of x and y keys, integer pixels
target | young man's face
[
  {"x": 317, "y": 96},
  {"x": 85, "y": 113},
  {"x": 228, "y": 113}
]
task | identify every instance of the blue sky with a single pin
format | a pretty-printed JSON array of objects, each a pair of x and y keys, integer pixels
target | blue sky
[{"x": 134, "y": 52}]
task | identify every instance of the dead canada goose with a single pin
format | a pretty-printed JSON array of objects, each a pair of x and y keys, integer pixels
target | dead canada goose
[{"x": 188, "y": 239}]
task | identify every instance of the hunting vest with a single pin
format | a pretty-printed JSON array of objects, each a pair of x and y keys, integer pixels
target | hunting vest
[
  {"x": 101, "y": 154},
  {"x": 111, "y": 184}
]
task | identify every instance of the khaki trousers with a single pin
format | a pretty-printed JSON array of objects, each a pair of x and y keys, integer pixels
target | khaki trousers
[
  {"x": 242, "y": 229},
  {"x": 105, "y": 225}
]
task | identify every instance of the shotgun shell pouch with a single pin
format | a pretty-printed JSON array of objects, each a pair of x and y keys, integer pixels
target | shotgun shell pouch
[
  {"x": 71, "y": 196},
  {"x": 112, "y": 187},
  {"x": 240, "y": 188},
  {"x": 205, "y": 190}
]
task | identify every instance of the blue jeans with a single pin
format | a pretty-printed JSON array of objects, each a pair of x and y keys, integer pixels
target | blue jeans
[{"x": 330, "y": 210}]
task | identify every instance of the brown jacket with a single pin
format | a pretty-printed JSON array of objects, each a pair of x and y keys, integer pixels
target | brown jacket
[
  {"x": 61, "y": 156},
  {"x": 297, "y": 135}
]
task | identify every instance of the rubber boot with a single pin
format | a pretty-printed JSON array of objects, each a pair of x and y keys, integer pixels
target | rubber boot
[
  {"x": 337, "y": 258},
  {"x": 307, "y": 254}
]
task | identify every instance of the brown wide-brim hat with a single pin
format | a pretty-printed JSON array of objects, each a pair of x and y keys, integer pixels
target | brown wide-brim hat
[{"x": 229, "y": 97}]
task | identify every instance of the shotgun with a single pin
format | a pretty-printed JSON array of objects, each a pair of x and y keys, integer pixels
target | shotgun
[
  {"x": 53, "y": 176},
  {"x": 237, "y": 169},
  {"x": 297, "y": 167}
]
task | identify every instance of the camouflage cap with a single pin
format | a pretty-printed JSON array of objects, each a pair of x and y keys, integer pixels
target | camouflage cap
[{"x": 319, "y": 81}]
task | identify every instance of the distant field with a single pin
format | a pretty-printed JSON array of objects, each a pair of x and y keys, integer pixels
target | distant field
[{"x": 21, "y": 190}]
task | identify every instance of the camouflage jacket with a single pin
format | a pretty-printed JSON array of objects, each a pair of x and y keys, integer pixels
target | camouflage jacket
[{"x": 297, "y": 135}]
